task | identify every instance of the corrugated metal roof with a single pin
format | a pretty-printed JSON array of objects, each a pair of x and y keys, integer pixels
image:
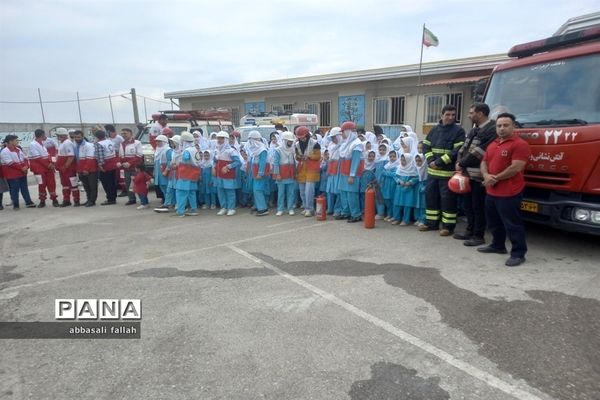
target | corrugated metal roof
[
  {"x": 404, "y": 71},
  {"x": 455, "y": 81}
]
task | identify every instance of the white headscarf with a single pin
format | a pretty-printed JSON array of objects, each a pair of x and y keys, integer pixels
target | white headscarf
[
  {"x": 254, "y": 147},
  {"x": 370, "y": 165},
  {"x": 207, "y": 163},
  {"x": 350, "y": 144},
  {"x": 410, "y": 169},
  {"x": 161, "y": 151},
  {"x": 371, "y": 138},
  {"x": 390, "y": 164},
  {"x": 422, "y": 170},
  {"x": 385, "y": 157}
]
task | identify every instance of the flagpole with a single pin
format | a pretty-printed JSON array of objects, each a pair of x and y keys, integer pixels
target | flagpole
[{"x": 419, "y": 84}]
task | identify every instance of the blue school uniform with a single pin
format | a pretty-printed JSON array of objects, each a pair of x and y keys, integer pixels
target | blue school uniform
[
  {"x": 186, "y": 186},
  {"x": 260, "y": 187},
  {"x": 367, "y": 177},
  {"x": 388, "y": 189},
  {"x": 284, "y": 165},
  {"x": 226, "y": 185},
  {"x": 404, "y": 197},
  {"x": 378, "y": 175},
  {"x": 209, "y": 193},
  {"x": 349, "y": 193}
]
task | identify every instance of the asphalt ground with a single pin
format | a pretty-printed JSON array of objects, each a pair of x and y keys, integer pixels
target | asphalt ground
[{"x": 249, "y": 307}]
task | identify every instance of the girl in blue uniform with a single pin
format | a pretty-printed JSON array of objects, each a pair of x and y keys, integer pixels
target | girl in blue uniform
[
  {"x": 388, "y": 184},
  {"x": 380, "y": 160},
  {"x": 258, "y": 153},
  {"x": 367, "y": 177},
  {"x": 334, "y": 206},
  {"x": 420, "y": 190},
  {"x": 225, "y": 174},
  {"x": 284, "y": 170},
  {"x": 208, "y": 190},
  {"x": 160, "y": 164},
  {"x": 406, "y": 179}
]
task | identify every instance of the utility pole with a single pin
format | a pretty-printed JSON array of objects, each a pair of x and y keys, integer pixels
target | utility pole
[
  {"x": 79, "y": 108},
  {"x": 136, "y": 115},
  {"x": 41, "y": 106},
  {"x": 112, "y": 114}
]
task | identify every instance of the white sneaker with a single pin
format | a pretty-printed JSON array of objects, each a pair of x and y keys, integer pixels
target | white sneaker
[
  {"x": 279, "y": 213},
  {"x": 222, "y": 211},
  {"x": 204, "y": 207},
  {"x": 162, "y": 209},
  {"x": 378, "y": 217},
  {"x": 230, "y": 213},
  {"x": 191, "y": 214},
  {"x": 292, "y": 212},
  {"x": 142, "y": 207},
  {"x": 308, "y": 214}
]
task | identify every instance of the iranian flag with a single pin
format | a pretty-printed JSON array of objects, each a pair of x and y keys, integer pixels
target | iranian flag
[{"x": 429, "y": 39}]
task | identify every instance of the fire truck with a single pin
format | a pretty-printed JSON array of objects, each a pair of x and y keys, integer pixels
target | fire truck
[
  {"x": 287, "y": 119},
  {"x": 552, "y": 86},
  {"x": 208, "y": 121}
]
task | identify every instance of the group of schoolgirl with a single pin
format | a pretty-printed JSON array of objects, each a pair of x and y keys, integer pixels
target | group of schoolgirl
[{"x": 397, "y": 170}]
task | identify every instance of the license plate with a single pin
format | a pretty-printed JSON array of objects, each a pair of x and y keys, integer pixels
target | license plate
[{"x": 530, "y": 206}]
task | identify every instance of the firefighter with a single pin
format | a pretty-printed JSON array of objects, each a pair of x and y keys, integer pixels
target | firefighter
[
  {"x": 67, "y": 170},
  {"x": 43, "y": 168},
  {"x": 440, "y": 148},
  {"x": 351, "y": 169}
]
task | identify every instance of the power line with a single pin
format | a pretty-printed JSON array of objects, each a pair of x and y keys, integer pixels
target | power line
[{"x": 80, "y": 100}]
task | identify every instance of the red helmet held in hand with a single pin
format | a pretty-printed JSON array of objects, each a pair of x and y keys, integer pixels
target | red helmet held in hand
[{"x": 459, "y": 183}]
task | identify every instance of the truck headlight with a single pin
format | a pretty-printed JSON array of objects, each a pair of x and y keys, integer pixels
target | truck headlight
[
  {"x": 581, "y": 214},
  {"x": 595, "y": 217}
]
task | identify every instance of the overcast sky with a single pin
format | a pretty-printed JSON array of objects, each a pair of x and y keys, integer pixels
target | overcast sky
[{"x": 107, "y": 47}]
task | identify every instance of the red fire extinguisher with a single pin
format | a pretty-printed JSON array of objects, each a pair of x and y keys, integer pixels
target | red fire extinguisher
[
  {"x": 321, "y": 209},
  {"x": 370, "y": 208}
]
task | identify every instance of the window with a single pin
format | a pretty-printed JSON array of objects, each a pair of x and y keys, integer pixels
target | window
[
  {"x": 435, "y": 102},
  {"x": 388, "y": 110},
  {"x": 322, "y": 109},
  {"x": 289, "y": 107},
  {"x": 235, "y": 115}
]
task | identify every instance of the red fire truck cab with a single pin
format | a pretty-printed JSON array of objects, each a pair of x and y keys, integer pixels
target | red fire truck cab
[{"x": 552, "y": 86}]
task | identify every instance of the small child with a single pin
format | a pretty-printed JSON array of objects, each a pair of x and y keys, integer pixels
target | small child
[
  {"x": 367, "y": 177},
  {"x": 380, "y": 160},
  {"x": 141, "y": 182},
  {"x": 206, "y": 185},
  {"x": 245, "y": 182},
  {"x": 407, "y": 178},
  {"x": 420, "y": 190},
  {"x": 323, "y": 181},
  {"x": 388, "y": 184}
]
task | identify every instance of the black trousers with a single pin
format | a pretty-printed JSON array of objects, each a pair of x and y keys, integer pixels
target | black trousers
[
  {"x": 109, "y": 183},
  {"x": 90, "y": 184},
  {"x": 504, "y": 219},
  {"x": 474, "y": 203},
  {"x": 441, "y": 204}
]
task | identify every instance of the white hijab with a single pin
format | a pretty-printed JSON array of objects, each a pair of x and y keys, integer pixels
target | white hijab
[
  {"x": 349, "y": 145},
  {"x": 370, "y": 165},
  {"x": 390, "y": 164},
  {"x": 422, "y": 170},
  {"x": 207, "y": 163},
  {"x": 254, "y": 147},
  {"x": 410, "y": 169},
  {"x": 385, "y": 157}
]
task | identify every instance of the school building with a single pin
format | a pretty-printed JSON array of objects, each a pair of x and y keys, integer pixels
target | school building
[{"x": 387, "y": 97}]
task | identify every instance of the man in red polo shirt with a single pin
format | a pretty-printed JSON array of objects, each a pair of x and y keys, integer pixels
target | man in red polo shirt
[{"x": 502, "y": 169}]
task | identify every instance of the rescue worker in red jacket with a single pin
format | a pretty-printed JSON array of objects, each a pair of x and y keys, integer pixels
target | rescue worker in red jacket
[
  {"x": 14, "y": 168},
  {"x": 43, "y": 168},
  {"x": 131, "y": 154},
  {"x": 67, "y": 170}
]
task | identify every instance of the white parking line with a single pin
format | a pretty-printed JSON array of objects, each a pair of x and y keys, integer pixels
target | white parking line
[
  {"x": 467, "y": 368},
  {"x": 147, "y": 260}
]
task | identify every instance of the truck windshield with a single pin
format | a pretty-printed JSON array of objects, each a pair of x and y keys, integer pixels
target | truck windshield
[{"x": 561, "y": 92}]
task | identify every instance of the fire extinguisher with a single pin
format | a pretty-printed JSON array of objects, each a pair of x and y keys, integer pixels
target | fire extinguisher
[
  {"x": 370, "y": 208},
  {"x": 321, "y": 209}
]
